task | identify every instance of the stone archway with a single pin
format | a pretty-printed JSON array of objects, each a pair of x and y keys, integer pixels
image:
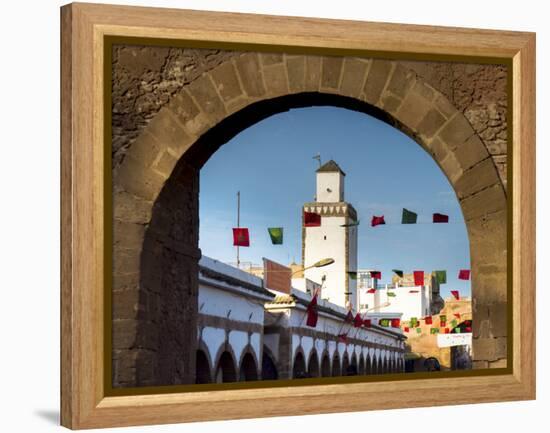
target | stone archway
[
  {"x": 226, "y": 369},
  {"x": 299, "y": 366},
  {"x": 368, "y": 365},
  {"x": 202, "y": 374},
  {"x": 325, "y": 365},
  {"x": 345, "y": 363},
  {"x": 203, "y": 364},
  {"x": 248, "y": 370},
  {"x": 361, "y": 368},
  {"x": 353, "y": 366},
  {"x": 313, "y": 364},
  {"x": 155, "y": 253},
  {"x": 269, "y": 366},
  {"x": 336, "y": 367}
]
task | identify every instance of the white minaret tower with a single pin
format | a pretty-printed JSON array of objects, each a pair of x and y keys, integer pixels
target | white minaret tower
[{"x": 336, "y": 238}]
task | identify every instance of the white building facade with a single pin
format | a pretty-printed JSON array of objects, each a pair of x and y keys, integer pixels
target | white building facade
[
  {"x": 402, "y": 295},
  {"x": 248, "y": 332}
]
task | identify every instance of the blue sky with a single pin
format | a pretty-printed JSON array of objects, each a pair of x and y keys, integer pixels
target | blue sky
[{"x": 271, "y": 163}]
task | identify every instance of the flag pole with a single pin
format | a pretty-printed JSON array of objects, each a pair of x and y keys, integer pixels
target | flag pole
[{"x": 238, "y": 225}]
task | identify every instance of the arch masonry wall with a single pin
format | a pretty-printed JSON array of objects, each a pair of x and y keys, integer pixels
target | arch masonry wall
[{"x": 155, "y": 189}]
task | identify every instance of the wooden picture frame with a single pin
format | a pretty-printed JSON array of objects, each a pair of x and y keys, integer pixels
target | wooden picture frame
[{"x": 85, "y": 402}]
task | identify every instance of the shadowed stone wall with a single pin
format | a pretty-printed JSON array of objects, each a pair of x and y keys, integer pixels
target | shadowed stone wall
[
  {"x": 478, "y": 91},
  {"x": 172, "y": 109}
]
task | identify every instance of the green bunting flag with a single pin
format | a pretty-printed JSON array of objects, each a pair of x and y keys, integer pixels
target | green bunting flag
[
  {"x": 419, "y": 330},
  {"x": 434, "y": 331},
  {"x": 414, "y": 322},
  {"x": 441, "y": 277},
  {"x": 454, "y": 323},
  {"x": 398, "y": 272},
  {"x": 352, "y": 275},
  {"x": 276, "y": 234},
  {"x": 384, "y": 322},
  {"x": 391, "y": 294},
  {"x": 408, "y": 217}
]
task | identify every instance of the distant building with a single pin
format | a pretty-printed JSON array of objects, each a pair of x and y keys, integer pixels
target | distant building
[
  {"x": 451, "y": 350},
  {"x": 401, "y": 295}
]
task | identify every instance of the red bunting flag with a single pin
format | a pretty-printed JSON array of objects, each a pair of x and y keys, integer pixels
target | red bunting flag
[
  {"x": 312, "y": 219},
  {"x": 455, "y": 294},
  {"x": 406, "y": 328},
  {"x": 343, "y": 338},
  {"x": 367, "y": 323},
  {"x": 418, "y": 278},
  {"x": 464, "y": 274},
  {"x": 468, "y": 329},
  {"x": 376, "y": 274},
  {"x": 312, "y": 314},
  {"x": 440, "y": 218},
  {"x": 457, "y": 315},
  {"x": 377, "y": 220},
  {"x": 349, "y": 317},
  {"x": 395, "y": 323},
  {"x": 428, "y": 320},
  {"x": 241, "y": 237},
  {"x": 447, "y": 330},
  {"x": 371, "y": 291}
]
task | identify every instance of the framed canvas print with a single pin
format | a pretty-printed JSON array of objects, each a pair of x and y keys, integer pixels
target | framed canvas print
[{"x": 269, "y": 216}]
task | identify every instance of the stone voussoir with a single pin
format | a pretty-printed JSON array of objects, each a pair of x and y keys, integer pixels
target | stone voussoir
[
  {"x": 431, "y": 123},
  {"x": 471, "y": 152},
  {"x": 203, "y": 91},
  {"x": 456, "y": 131},
  {"x": 166, "y": 163},
  {"x": 330, "y": 72},
  {"x": 377, "y": 77},
  {"x": 142, "y": 182},
  {"x": 451, "y": 167},
  {"x": 480, "y": 176},
  {"x": 269, "y": 59},
  {"x": 250, "y": 76},
  {"x": 485, "y": 202},
  {"x": 401, "y": 80},
  {"x": 353, "y": 76},
  {"x": 414, "y": 108},
  {"x": 313, "y": 73},
  {"x": 276, "y": 79},
  {"x": 226, "y": 81},
  {"x": 168, "y": 132},
  {"x": 296, "y": 72}
]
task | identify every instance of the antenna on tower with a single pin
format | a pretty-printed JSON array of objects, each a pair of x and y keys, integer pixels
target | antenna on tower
[{"x": 318, "y": 158}]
